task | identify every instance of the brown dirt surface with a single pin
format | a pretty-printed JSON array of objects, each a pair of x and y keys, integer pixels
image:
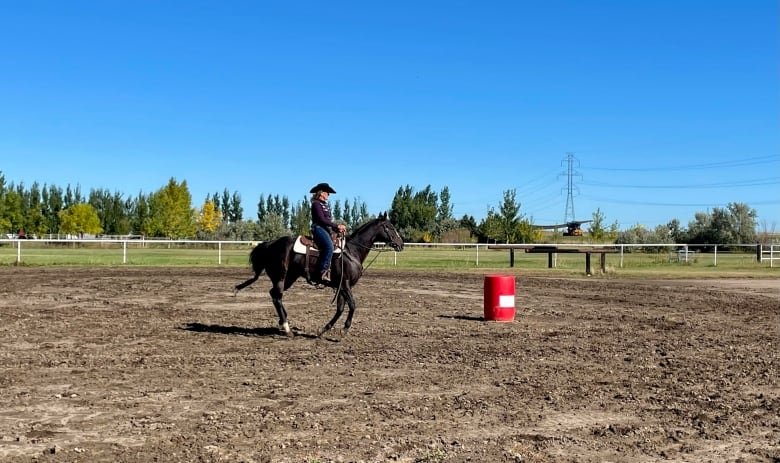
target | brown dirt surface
[{"x": 137, "y": 364}]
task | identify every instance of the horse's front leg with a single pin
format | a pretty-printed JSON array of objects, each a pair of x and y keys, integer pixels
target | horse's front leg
[
  {"x": 351, "y": 302},
  {"x": 339, "y": 310},
  {"x": 276, "y": 297}
]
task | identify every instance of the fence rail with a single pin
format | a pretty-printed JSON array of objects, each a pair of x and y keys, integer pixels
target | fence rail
[
  {"x": 771, "y": 255},
  {"x": 417, "y": 255}
]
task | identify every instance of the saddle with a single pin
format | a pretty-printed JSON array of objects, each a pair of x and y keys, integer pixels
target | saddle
[{"x": 308, "y": 247}]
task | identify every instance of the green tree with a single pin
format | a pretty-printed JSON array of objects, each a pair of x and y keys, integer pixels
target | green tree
[
  {"x": 112, "y": 210},
  {"x": 11, "y": 214},
  {"x": 72, "y": 196},
  {"x": 598, "y": 230},
  {"x": 675, "y": 231},
  {"x": 80, "y": 219},
  {"x": 171, "y": 211},
  {"x": 491, "y": 228},
  {"x": 735, "y": 224},
  {"x": 236, "y": 211},
  {"x": 53, "y": 204},
  {"x": 140, "y": 215},
  {"x": 742, "y": 221},
  {"x": 5, "y": 221},
  {"x": 272, "y": 227},
  {"x": 509, "y": 217},
  {"x": 225, "y": 206},
  {"x": 414, "y": 214},
  {"x": 337, "y": 214},
  {"x": 35, "y": 221},
  {"x": 444, "y": 211},
  {"x": 470, "y": 223},
  {"x": 347, "y": 212},
  {"x": 300, "y": 222},
  {"x": 261, "y": 208}
]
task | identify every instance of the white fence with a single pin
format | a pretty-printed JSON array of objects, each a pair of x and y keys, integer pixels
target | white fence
[
  {"x": 125, "y": 244},
  {"x": 771, "y": 254},
  {"x": 120, "y": 250}
]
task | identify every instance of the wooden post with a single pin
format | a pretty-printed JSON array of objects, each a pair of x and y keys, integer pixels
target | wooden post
[
  {"x": 587, "y": 264},
  {"x": 759, "y": 252},
  {"x": 603, "y": 262},
  {"x": 511, "y": 257},
  {"x": 550, "y": 260}
]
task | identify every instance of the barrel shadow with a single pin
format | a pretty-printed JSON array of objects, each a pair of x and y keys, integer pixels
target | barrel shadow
[{"x": 469, "y": 318}]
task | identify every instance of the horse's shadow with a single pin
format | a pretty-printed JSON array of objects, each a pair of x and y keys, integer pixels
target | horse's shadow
[{"x": 264, "y": 332}]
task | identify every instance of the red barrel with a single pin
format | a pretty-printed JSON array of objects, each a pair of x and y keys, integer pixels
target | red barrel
[{"x": 500, "y": 298}]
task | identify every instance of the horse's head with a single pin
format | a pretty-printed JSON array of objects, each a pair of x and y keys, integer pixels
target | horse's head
[{"x": 389, "y": 234}]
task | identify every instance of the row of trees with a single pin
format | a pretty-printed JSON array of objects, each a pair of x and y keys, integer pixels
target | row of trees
[
  {"x": 420, "y": 216},
  {"x": 167, "y": 212},
  {"x": 425, "y": 216},
  {"x": 734, "y": 224}
]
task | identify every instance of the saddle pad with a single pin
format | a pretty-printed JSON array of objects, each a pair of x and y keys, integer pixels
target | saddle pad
[{"x": 300, "y": 248}]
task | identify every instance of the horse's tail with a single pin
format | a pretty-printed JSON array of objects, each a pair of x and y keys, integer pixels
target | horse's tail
[{"x": 258, "y": 265}]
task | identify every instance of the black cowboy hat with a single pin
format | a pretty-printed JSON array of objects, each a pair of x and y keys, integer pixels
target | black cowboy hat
[{"x": 322, "y": 187}]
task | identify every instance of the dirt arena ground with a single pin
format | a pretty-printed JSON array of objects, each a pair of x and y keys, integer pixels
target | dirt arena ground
[{"x": 163, "y": 365}]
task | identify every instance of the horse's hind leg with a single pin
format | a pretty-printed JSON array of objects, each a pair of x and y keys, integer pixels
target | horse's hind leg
[{"x": 276, "y": 297}]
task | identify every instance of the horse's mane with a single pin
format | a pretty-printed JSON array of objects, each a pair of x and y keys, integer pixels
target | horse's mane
[{"x": 360, "y": 229}]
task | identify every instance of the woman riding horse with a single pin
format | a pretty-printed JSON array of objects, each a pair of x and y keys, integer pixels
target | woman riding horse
[
  {"x": 322, "y": 225},
  {"x": 283, "y": 265}
]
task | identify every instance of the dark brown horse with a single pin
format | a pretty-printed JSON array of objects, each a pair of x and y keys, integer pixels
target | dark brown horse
[{"x": 284, "y": 266}]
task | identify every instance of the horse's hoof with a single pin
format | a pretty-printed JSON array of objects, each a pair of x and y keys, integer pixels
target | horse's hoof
[{"x": 285, "y": 328}]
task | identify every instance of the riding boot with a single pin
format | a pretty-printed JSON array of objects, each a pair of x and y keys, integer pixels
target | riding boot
[{"x": 325, "y": 277}]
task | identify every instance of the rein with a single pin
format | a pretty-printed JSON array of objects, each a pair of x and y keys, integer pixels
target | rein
[
  {"x": 369, "y": 249},
  {"x": 345, "y": 253}
]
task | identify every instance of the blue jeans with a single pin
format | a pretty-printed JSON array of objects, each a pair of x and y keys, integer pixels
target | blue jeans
[{"x": 325, "y": 244}]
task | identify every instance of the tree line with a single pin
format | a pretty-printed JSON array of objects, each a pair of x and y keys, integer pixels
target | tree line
[
  {"x": 420, "y": 215},
  {"x": 165, "y": 213}
]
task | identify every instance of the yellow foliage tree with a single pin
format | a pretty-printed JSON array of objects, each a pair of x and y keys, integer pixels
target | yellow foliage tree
[
  {"x": 210, "y": 217},
  {"x": 79, "y": 219}
]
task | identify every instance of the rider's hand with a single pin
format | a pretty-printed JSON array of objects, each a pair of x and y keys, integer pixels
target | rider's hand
[{"x": 342, "y": 228}]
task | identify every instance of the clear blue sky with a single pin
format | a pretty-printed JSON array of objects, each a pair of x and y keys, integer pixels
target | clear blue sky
[{"x": 670, "y": 107}]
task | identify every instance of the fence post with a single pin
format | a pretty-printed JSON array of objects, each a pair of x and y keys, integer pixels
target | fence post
[
  {"x": 18, "y": 251},
  {"x": 219, "y": 259},
  {"x": 477, "y": 254},
  {"x": 124, "y": 251},
  {"x": 715, "y": 264},
  {"x": 621, "y": 255}
]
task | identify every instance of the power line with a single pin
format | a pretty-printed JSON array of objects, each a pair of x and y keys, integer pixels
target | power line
[
  {"x": 739, "y": 183},
  {"x": 713, "y": 165},
  {"x": 642, "y": 203}
]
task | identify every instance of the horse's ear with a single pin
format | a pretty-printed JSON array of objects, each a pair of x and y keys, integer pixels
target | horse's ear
[{"x": 383, "y": 216}]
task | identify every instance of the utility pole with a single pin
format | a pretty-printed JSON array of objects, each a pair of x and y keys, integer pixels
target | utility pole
[{"x": 570, "y": 173}]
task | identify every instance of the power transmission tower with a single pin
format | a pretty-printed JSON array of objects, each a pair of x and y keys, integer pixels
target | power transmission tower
[{"x": 570, "y": 173}]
